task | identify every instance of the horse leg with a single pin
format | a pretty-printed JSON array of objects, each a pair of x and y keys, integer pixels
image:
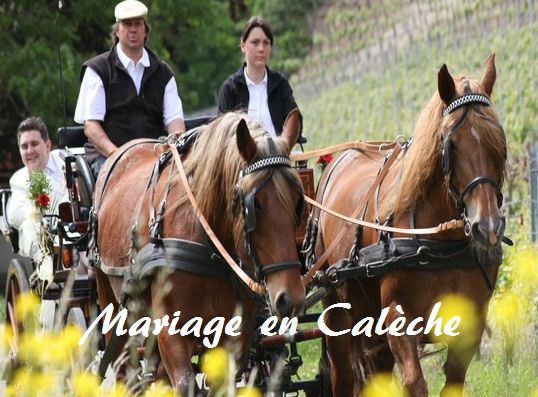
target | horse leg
[
  {"x": 405, "y": 351},
  {"x": 338, "y": 350},
  {"x": 455, "y": 368},
  {"x": 176, "y": 352}
]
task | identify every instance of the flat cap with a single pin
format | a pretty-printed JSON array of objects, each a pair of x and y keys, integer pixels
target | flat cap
[{"x": 129, "y": 9}]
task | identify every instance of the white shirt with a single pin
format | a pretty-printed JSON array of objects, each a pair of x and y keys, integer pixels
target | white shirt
[
  {"x": 91, "y": 103},
  {"x": 258, "y": 107},
  {"x": 20, "y": 207}
]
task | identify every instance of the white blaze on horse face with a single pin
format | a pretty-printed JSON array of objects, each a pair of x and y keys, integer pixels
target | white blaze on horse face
[{"x": 482, "y": 166}]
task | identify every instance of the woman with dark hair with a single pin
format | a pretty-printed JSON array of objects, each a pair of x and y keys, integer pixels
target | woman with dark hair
[{"x": 265, "y": 95}]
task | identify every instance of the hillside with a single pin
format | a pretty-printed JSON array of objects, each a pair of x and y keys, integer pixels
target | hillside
[{"x": 374, "y": 64}]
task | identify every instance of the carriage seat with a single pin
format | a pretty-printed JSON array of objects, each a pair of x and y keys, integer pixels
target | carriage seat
[{"x": 10, "y": 233}]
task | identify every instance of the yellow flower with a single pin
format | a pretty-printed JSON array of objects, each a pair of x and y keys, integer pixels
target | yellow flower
[
  {"x": 6, "y": 338},
  {"x": 457, "y": 305},
  {"x": 382, "y": 385},
  {"x": 453, "y": 391},
  {"x": 34, "y": 348},
  {"x": 249, "y": 392},
  {"x": 215, "y": 366},
  {"x": 64, "y": 346},
  {"x": 85, "y": 384},
  {"x": 159, "y": 389},
  {"x": 524, "y": 269},
  {"x": 26, "y": 305},
  {"x": 29, "y": 382},
  {"x": 508, "y": 310},
  {"x": 120, "y": 390}
]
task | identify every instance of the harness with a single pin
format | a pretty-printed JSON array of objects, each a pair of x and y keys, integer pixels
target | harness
[{"x": 390, "y": 253}]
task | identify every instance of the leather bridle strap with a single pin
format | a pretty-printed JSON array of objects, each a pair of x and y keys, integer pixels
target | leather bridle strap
[
  {"x": 477, "y": 181},
  {"x": 252, "y": 285},
  {"x": 442, "y": 227},
  {"x": 307, "y": 278},
  {"x": 275, "y": 267}
]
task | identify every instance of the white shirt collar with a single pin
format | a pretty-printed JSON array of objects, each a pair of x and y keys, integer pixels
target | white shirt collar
[
  {"x": 125, "y": 60},
  {"x": 250, "y": 82}
]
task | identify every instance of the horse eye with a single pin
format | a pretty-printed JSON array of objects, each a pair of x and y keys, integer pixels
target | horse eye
[
  {"x": 453, "y": 146},
  {"x": 257, "y": 205}
]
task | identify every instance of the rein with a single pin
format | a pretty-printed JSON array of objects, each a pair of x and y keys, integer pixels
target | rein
[{"x": 442, "y": 227}]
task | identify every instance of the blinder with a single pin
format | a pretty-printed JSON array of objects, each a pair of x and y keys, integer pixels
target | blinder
[{"x": 250, "y": 204}]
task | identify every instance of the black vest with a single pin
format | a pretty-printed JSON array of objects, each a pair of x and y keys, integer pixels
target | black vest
[{"x": 130, "y": 115}]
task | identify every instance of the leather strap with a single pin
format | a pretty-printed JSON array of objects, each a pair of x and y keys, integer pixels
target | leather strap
[
  {"x": 442, "y": 227},
  {"x": 307, "y": 278},
  {"x": 365, "y": 146}
]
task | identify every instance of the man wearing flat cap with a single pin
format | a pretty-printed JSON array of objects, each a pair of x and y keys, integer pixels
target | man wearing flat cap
[{"x": 126, "y": 92}]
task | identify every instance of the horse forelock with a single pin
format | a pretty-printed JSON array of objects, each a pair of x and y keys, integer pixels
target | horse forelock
[{"x": 423, "y": 164}]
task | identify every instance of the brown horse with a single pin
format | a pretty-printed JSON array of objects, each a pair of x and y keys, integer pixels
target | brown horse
[
  {"x": 223, "y": 186},
  {"x": 452, "y": 168}
]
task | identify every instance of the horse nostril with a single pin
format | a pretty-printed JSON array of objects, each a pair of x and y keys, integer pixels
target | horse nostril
[
  {"x": 501, "y": 226},
  {"x": 283, "y": 305}
]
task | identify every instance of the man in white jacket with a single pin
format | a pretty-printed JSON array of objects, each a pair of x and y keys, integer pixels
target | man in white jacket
[{"x": 35, "y": 149}]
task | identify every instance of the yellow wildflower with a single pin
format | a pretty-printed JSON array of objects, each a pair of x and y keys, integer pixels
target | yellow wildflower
[
  {"x": 34, "y": 348},
  {"x": 508, "y": 310},
  {"x": 453, "y": 391},
  {"x": 524, "y": 270},
  {"x": 85, "y": 384},
  {"x": 64, "y": 346},
  {"x": 457, "y": 305},
  {"x": 26, "y": 305},
  {"x": 159, "y": 389},
  {"x": 215, "y": 366},
  {"x": 6, "y": 338},
  {"x": 382, "y": 385},
  {"x": 249, "y": 392},
  {"x": 120, "y": 390}
]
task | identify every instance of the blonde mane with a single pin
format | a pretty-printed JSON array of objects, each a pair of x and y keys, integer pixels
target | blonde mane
[
  {"x": 214, "y": 163},
  {"x": 422, "y": 163}
]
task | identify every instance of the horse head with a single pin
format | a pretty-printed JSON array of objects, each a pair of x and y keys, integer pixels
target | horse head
[
  {"x": 473, "y": 153},
  {"x": 271, "y": 199},
  {"x": 255, "y": 205}
]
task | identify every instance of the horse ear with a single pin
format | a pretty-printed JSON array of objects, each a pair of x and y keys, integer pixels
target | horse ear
[
  {"x": 292, "y": 127},
  {"x": 245, "y": 142},
  {"x": 490, "y": 74},
  {"x": 445, "y": 85}
]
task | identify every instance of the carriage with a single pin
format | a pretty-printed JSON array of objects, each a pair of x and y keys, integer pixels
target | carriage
[{"x": 368, "y": 265}]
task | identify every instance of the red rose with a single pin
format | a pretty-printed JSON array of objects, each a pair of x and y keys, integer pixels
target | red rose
[
  {"x": 43, "y": 200},
  {"x": 324, "y": 160}
]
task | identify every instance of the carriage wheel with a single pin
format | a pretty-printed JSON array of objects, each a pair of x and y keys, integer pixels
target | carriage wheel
[
  {"x": 16, "y": 284},
  {"x": 76, "y": 317}
]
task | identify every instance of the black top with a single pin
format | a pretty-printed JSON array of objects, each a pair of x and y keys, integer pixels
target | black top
[
  {"x": 130, "y": 115},
  {"x": 233, "y": 95}
]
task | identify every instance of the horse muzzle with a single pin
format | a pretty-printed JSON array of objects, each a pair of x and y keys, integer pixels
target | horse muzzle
[{"x": 488, "y": 232}]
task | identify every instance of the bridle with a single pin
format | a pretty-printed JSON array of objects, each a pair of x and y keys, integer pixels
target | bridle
[
  {"x": 249, "y": 205},
  {"x": 467, "y": 99}
]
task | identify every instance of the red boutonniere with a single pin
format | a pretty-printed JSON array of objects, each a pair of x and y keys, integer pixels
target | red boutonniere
[{"x": 324, "y": 160}]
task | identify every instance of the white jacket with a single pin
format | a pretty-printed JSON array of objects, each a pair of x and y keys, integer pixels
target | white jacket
[{"x": 20, "y": 208}]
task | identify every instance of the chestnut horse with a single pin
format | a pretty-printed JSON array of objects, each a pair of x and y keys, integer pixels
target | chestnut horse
[
  {"x": 230, "y": 165},
  {"x": 453, "y": 168}
]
